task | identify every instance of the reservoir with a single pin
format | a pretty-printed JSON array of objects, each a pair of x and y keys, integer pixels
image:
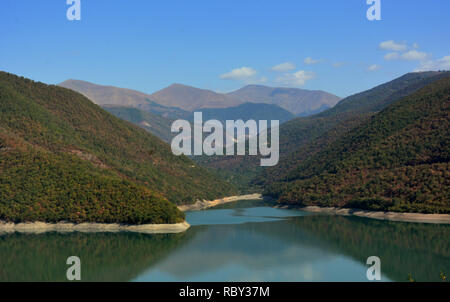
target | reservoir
[{"x": 238, "y": 243}]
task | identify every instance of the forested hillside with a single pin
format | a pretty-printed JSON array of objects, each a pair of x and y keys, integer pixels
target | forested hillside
[
  {"x": 301, "y": 131},
  {"x": 304, "y": 136},
  {"x": 396, "y": 160},
  {"x": 63, "y": 157}
]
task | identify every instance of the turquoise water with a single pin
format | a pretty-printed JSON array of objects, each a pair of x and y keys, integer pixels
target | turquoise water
[{"x": 241, "y": 244}]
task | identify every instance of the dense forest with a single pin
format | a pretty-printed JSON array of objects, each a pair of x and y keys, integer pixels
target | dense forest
[
  {"x": 394, "y": 160},
  {"x": 64, "y": 158}
]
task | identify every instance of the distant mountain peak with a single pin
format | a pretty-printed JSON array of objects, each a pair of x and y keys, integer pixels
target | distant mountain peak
[
  {"x": 296, "y": 100},
  {"x": 191, "y": 98}
]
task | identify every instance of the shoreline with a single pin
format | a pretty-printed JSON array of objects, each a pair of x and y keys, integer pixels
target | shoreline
[
  {"x": 379, "y": 215},
  {"x": 205, "y": 204},
  {"x": 66, "y": 227}
]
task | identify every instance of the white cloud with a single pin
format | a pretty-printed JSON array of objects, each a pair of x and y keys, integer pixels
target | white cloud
[
  {"x": 311, "y": 61},
  {"x": 414, "y": 55},
  {"x": 284, "y": 67},
  {"x": 373, "y": 67},
  {"x": 400, "y": 51},
  {"x": 392, "y": 56},
  {"x": 242, "y": 73},
  {"x": 298, "y": 78},
  {"x": 411, "y": 55},
  {"x": 440, "y": 64},
  {"x": 392, "y": 45}
]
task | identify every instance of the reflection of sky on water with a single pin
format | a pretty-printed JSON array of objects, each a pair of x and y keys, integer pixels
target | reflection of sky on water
[
  {"x": 233, "y": 245},
  {"x": 238, "y": 216}
]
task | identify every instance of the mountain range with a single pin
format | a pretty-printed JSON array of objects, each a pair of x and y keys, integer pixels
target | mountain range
[
  {"x": 187, "y": 98},
  {"x": 157, "y": 111}
]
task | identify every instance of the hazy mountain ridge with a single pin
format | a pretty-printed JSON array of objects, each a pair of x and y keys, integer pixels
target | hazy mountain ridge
[
  {"x": 177, "y": 99},
  {"x": 297, "y": 101}
]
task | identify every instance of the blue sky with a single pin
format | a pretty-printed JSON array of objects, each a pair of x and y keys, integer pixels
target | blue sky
[{"x": 224, "y": 45}]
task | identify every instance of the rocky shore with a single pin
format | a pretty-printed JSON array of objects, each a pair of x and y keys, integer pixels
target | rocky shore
[
  {"x": 202, "y": 205},
  {"x": 393, "y": 216},
  {"x": 64, "y": 227}
]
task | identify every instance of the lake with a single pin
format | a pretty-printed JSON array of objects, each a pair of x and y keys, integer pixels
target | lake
[{"x": 245, "y": 243}]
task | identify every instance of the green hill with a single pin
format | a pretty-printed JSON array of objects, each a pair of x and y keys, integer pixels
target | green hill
[
  {"x": 396, "y": 160},
  {"x": 303, "y": 137},
  {"x": 64, "y": 158}
]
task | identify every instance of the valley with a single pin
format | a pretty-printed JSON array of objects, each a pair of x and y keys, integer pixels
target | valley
[{"x": 315, "y": 168}]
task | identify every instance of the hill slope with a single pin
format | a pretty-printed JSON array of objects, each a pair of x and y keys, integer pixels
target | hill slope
[
  {"x": 153, "y": 123},
  {"x": 397, "y": 160},
  {"x": 300, "y": 131},
  {"x": 54, "y": 140}
]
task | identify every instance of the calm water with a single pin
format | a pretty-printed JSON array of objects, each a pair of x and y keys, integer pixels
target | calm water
[{"x": 238, "y": 244}]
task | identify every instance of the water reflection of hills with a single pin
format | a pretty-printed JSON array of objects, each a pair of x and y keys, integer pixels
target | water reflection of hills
[
  {"x": 314, "y": 247},
  {"x": 288, "y": 247},
  {"x": 240, "y": 246},
  {"x": 422, "y": 250},
  {"x": 104, "y": 257}
]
